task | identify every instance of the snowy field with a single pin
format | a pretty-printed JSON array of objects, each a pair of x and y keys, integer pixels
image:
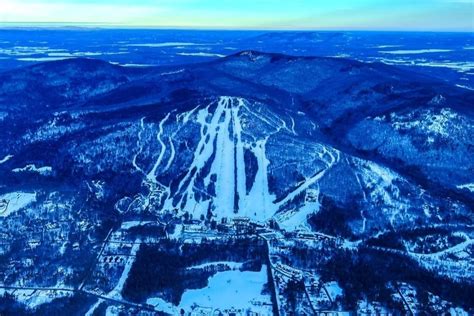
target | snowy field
[
  {"x": 12, "y": 202},
  {"x": 237, "y": 290}
]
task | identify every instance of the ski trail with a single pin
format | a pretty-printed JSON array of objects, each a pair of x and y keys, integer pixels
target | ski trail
[
  {"x": 223, "y": 165},
  {"x": 357, "y": 176},
  {"x": 140, "y": 146},
  {"x": 219, "y": 162},
  {"x": 364, "y": 220},
  {"x": 239, "y": 156},
  {"x": 310, "y": 181},
  {"x": 258, "y": 116},
  {"x": 151, "y": 176},
  {"x": 91, "y": 311},
  {"x": 172, "y": 154},
  {"x": 293, "y": 126},
  {"x": 259, "y": 195},
  {"x": 203, "y": 152},
  {"x": 184, "y": 117}
]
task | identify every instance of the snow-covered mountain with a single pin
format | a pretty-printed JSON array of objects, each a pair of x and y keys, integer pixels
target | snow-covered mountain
[
  {"x": 254, "y": 135},
  {"x": 337, "y": 147}
]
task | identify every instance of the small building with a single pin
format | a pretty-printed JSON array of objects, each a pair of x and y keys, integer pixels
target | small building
[
  {"x": 242, "y": 225},
  {"x": 194, "y": 228}
]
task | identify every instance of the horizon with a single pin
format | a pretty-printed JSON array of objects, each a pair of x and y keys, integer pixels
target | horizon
[
  {"x": 97, "y": 27},
  {"x": 304, "y": 15}
]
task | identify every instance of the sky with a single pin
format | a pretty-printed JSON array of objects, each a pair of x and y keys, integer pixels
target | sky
[{"x": 415, "y": 15}]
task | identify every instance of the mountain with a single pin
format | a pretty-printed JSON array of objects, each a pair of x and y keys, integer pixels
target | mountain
[
  {"x": 253, "y": 126},
  {"x": 327, "y": 145}
]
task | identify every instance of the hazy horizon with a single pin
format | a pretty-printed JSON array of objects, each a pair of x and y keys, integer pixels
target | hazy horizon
[{"x": 338, "y": 15}]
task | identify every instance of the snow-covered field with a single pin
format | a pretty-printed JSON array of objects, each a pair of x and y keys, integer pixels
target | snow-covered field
[
  {"x": 237, "y": 290},
  {"x": 44, "y": 171},
  {"x": 231, "y": 289},
  {"x": 12, "y": 202}
]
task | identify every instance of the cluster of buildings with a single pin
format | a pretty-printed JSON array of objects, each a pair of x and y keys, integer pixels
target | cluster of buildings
[{"x": 235, "y": 226}]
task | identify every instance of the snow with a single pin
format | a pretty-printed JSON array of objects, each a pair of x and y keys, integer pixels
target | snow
[
  {"x": 333, "y": 159},
  {"x": 259, "y": 196},
  {"x": 457, "y": 248},
  {"x": 42, "y": 59},
  {"x": 462, "y": 66},
  {"x": 379, "y": 184},
  {"x": 201, "y": 54},
  {"x": 165, "y": 44},
  {"x": 172, "y": 72},
  {"x": 44, "y": 171},
  {"x": 297, "y": 218},
  {"x": 467, "y": 186},
  {"x": 225, "y": 290},
  {"x": 458, "y": 311},
  {"x": 202, "y": 154},
  {"x": 218, "y": 160},
  {"x": 139, "y": 145},
  {"x": 172, "y": 154},
  {"x": 130, "y": 224},
  {"x": 223, "y": 164},
  {"x": 239, "y": 156},
  {"x": 464, "y": 87},
  {"x": 415, "y": 51},
  {"x": 12, "y": 202},
  {"x": 116, "y": 293},
  {"x": 228, "y": 164},
  {"x": 5, "y": 159},
  {"x": 136, "y": 65},
  {"x": 385, "y": 174},
  {"x": 230, "y": 264},
  {"x": 333, "y": 289},
  {"x": 83, "y": 54},
  {"x": 162, "y": 305},
  {"x": 240, "y": 290},
  {"x": 388, "y": 46},
  {"x": 151, "y": 176},
  {"x": 35, "y": 298},
  {"x": 440, "y": 124},
  {"x": 91, "y": 311}
]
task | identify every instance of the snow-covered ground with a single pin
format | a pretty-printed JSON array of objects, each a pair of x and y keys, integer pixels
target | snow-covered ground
[
  {"x": 35, "y": 298},
  {"x": 415, "y": 51},
  {"x": 5, "y": 159},
  {"x": 12, "y": 202},
  {"x": 130, "y": 224},
  {"x": 44, "y": 171},
  {"x": 230, "y": 264},
  {"x": 201, "y": 54},
  {"x": 334, "y": 290},
  {"x": 297, "y": 218},
  {"x": 116, "y": 293},
  {"x": 238, "y": 290},
  {"x": 225, "y": 153},
  {"x": 467, "y": 186}
]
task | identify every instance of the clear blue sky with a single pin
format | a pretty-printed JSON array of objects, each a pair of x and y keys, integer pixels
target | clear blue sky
[{"x": 445, "y": 15}]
